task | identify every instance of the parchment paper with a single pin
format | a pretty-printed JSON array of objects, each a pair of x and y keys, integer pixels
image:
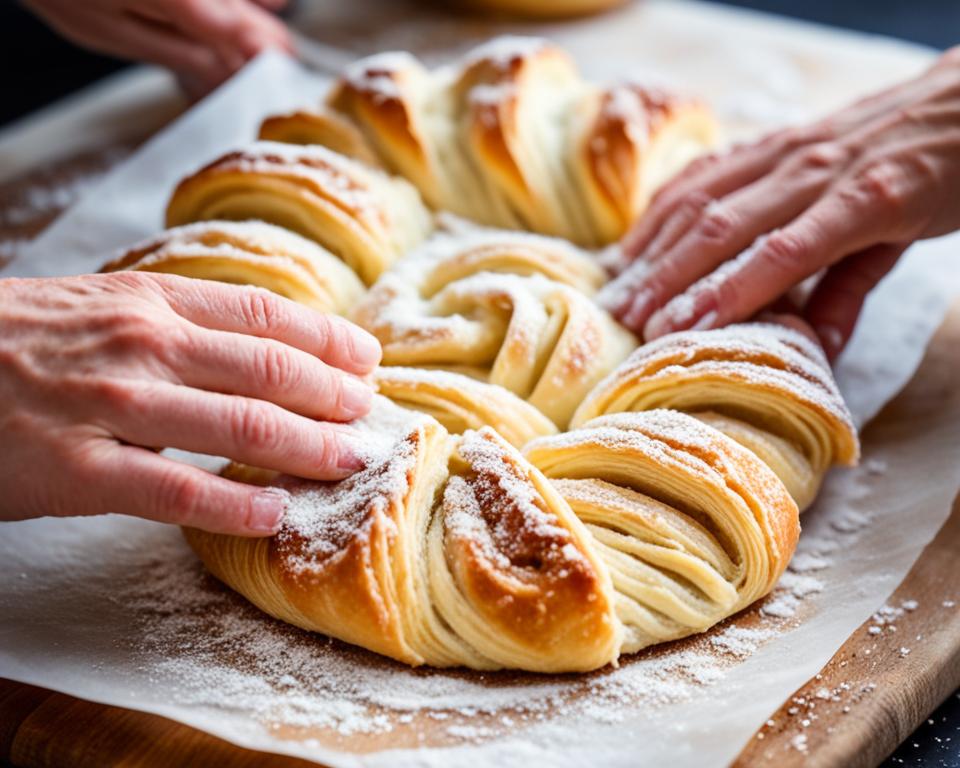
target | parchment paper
[{"x": 73, "y": 620}]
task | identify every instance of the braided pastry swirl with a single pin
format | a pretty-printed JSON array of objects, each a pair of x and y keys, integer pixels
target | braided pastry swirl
[
  {"x": 460, "y": 403},
  {"x": 478, "y": 534},
  {"x": 513, "y": 137},
  {"x": 507, "y": 308},
  {"x": 360, "y": 214}
]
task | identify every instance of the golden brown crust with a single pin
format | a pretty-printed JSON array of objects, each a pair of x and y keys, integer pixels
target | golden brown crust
[
  {"x": 492, "y": 305},
  {"x": 248, "y": 253},
  {"x": 695, "y": 471},
  {"x": 319, "y": 127}
]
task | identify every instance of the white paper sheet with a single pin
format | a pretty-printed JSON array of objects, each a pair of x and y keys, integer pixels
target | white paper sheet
[{"x": 86, "y": 604}]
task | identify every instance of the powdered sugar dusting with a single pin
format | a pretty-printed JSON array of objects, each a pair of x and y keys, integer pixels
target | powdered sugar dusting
[
  {"x": 324, "y": 517},
  {"x": 497, "y": 506}
]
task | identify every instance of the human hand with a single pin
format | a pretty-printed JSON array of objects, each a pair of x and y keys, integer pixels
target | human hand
[
  {"x": 846, "y": 195},
  {"x": 93, "y": 367},
  {"x": 202, "y": 41}
]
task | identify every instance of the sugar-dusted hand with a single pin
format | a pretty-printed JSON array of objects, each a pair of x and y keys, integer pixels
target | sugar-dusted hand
[
  {"x": 97, "y": 370},
  {"x": 734, "y": 233},
  {"x": 201, "y": 41}
]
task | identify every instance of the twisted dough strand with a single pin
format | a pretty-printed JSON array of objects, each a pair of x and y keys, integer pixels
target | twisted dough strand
[
  {"x": 766, "y": 386},
  {"x": 445, "y": 551}
]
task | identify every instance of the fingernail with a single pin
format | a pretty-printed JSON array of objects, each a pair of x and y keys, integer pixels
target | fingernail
[
  {"x": 357, "y": 397},
  {"x": 267, "y": 510},
  {"x": 831, "y": 338},
  {"x": 640, "y": 309},
  {"x": 706, "y": 321},
  {"x": 349, "y": 458},
  {"x": 658, "y": 325},
  {"x": 366, "y": 351}
]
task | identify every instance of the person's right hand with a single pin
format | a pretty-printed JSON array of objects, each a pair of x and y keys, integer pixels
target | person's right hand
[
  {"x": 203, "y": 41},
  {"x": 94, "y": 367}
]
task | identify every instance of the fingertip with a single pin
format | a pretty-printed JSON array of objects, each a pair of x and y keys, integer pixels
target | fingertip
[
  {"x": 639, "y": 311},
  {"x": 268, "y": 507},
  {"x": 832, "y": 339},
  {"x": 658, "y": 325},
  {"x": 356, "y": 397},
  {"x": 365, "y": 350}
]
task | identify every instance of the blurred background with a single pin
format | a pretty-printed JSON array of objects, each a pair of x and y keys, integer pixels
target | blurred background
[{"x": 41, "y": 67}]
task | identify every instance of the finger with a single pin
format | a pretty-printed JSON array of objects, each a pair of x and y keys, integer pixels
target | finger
[
  {"x": 234, "y": 364},
  {"x": 790, "y": 320},
  {"x": 258, "y": 312},
  {"x": 714, "y": 176},
  {"x": 133, "y": 481},
  {"x": 237, "y": 29},
  {"x": 835, "y": 304},
  {"x": 131, "y": 37},
  {"x": 838, "y": 224},
  {"x": 246, "y": 430},
  {"x": 683, "y": 219},
  {"x": 727, "y": 227},
  {"x": 272, "y": 5}
]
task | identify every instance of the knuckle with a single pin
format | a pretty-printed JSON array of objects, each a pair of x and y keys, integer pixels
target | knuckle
[
  {"x": 329, "y": 333},
  {"x": 717, "y": 223},
  {"x": 117, "y": 396},
  {"x": 880, "y": 185},
  {"x": 786, "y": 251},
  {"x": 275, "y": 368},
  {"x": 693, "y": 202},
  {"x": 134, "y": 332},
  {"x": 253, "y": 427},
  {"x": 328, "y": 448},
  {"x": 702, "y": 163},
  {"x": 180, "y": 496},
  {"x": 822, "y": 155},
  {"x": 261, "y": 310}
]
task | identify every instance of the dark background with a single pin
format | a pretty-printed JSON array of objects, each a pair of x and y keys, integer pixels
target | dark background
[{"x": 38, "y": 68}]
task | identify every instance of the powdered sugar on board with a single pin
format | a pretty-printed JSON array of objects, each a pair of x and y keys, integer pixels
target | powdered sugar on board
[{"x": 213, "y": 650}]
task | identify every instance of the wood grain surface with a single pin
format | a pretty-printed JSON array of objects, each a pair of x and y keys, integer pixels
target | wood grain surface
[{"x": 882, "y": 684}]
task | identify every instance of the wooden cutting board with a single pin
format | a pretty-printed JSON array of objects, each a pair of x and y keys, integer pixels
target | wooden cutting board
[
  {"x": 886, "y": 693},
  {"x": 43, "y": 728}
]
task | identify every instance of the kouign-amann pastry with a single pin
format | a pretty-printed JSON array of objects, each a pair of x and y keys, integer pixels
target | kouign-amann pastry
[
  {"x": 249, "y": 253},
  {"x": 505, "y": 308},
  {"x": 363, "y": 216},
  {"x": 514, "y": 137}
]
